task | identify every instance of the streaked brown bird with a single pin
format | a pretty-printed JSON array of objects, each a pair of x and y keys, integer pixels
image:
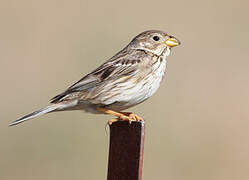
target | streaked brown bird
[{"x": 128, "y": 78}]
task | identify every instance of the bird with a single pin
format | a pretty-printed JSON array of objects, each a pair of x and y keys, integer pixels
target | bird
[{"x": 127, "y": 79}]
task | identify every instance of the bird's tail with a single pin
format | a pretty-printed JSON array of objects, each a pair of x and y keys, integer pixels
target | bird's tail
[{"x": 51, "y": 108}]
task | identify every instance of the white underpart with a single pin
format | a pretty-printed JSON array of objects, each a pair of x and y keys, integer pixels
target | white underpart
[{"x": 133, "y": 95}]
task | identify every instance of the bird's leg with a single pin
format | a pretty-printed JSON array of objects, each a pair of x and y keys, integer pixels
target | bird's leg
[
  {"x": 114, "y": 113},
  {"x": 124, "y": 116},
  {"x": 119, "y": 115},
  {"x": 133, "y": 116}
]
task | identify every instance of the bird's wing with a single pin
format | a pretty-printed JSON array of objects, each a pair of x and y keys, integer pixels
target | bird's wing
[{"x": 122, "y": 64}]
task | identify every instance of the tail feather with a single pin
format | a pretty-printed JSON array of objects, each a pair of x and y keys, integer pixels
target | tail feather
[{"x": 35, "y": 114}]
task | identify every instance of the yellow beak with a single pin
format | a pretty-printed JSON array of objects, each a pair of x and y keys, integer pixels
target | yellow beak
[{"x": 171, "y": 42}]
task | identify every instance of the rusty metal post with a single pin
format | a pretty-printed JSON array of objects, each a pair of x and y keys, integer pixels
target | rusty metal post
[{"x": 126, "y": 151}]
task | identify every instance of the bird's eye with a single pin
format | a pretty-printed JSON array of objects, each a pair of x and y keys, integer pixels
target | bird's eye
[{"x": 156, "y": 38}]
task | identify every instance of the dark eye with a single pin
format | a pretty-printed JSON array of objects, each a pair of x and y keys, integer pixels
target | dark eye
[{"x": 156, "y": 38}]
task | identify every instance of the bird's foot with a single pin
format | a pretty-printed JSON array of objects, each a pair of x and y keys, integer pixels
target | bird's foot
[
  {"x": 133, "y": 117},
  {"x": 122, "y": 116},
  {"x": 130, "y": 117},
  {"x": 127, "y": 118},
  {"x": 112, "y": 121}
]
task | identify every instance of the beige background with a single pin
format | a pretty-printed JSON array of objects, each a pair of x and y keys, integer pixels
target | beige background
[{"x": 197, "y": 123}]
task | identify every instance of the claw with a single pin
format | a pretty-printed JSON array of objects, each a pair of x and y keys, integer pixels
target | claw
[
  {"x": 134, "y": 117},
  {"x": 112, "y": 121},
  {"x": 123, "y": 116}
]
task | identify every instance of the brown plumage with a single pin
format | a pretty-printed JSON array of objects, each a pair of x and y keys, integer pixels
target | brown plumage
[{"x": 125, "y": 80}]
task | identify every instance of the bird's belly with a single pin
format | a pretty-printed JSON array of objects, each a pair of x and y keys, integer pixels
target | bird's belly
[{"x": 137, "y": 92}]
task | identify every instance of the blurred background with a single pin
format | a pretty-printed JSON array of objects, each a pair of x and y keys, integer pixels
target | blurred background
[{"x": 197, "y": 123}]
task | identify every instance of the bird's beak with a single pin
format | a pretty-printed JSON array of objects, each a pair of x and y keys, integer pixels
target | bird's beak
[{"x": 171, "y": 42}]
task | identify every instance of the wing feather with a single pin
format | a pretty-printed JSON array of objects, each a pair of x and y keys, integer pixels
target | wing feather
[{"x": 122, "y": 64}]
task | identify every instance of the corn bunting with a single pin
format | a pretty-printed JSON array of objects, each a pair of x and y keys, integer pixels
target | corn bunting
[{"x": 128, "y": 78}]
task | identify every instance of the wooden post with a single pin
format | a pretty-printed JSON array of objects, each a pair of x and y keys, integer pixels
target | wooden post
[{"x": 126, "y": 151}]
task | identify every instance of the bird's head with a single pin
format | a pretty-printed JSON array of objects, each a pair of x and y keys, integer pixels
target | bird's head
[{"x": 154, "y": 41}]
